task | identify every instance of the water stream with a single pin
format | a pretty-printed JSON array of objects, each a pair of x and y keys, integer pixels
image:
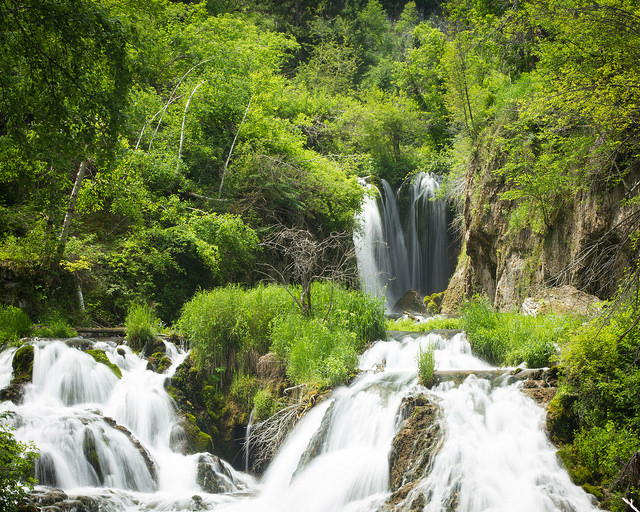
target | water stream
[{"x": 494, "y": 455}]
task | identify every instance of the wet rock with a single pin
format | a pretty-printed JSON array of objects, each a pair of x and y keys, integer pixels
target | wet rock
[
  {"x": 101, "y": 357},
  {"x": 410, "y": 302},
  {"x": 79, "y": 343},
  {"x": 151, "y": 347},
  {"x": 414, "y": 447},
  {"x": 187, "y": 438},
  {"x": 158, "y": 362},
  {"x": 213, "y": 477},
  {"x": 151, "y": 466},
  {"x": 22, "y": 365}
]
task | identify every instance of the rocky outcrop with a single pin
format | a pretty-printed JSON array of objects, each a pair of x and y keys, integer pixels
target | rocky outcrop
[
  {"x": 586, "y": 244},
  {"x": 410, "y": 302},
  {"x": 414, "y": 447},
  {"x": 22, "y": 365}
]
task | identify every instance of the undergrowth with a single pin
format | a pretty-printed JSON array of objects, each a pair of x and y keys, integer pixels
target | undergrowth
[
  {"x": 508, "y": 338},
  {"x": 431, "y": 324}
]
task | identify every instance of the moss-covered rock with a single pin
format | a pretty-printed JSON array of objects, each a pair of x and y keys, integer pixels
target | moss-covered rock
[
  {"x": 101, "y": 357},
  {"x": 158, "y": 362},
  {"x": 561, "y": 421},
  {"x": 22, "y": 365}
]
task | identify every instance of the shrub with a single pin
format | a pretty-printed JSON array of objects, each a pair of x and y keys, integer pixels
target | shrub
[
  {"x": 264, "y": 405},
  {"x": 14, "y": 324},
  {"x": 507, "y": 338},
  {"x": 17, "y": 463},
  {"x": 316, "y": 352},
  {"x": 426, "y": 366},
  {"x": 141, "y": 326},
  {"x": 58, "y": 329}
]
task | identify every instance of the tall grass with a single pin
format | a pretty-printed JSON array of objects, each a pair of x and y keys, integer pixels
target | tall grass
[
  {"x": 228, "y": 327},
  {"x": 406, "y": 324},
  {"x": 14, "y": 324},
  {"x": 141, "y": 326},
  {"x": 507, "y": 338},
  {"x": 426, "y": 365}
]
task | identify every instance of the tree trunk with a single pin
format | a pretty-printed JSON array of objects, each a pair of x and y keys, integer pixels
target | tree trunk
[{"x": 71, "y": 209}]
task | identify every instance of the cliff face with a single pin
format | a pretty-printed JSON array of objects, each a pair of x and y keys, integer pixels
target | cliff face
[{"x": 586, "y": 246}]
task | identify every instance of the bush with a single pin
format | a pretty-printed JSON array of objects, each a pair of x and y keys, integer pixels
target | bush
[
  {"x": 17, "y": 464},
  {"x": 426, "y": 366},
  {"x": 507, "y": 338},
  {"x": 316, "y": 353},
  {"x": 58, "y": 329},
  {"x": 14, "y": 324},
  {"x": 223, "y": 322},
  {"x": 141, "y": 326}
]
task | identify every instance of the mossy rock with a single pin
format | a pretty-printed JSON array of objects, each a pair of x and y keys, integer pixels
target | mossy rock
[
  {"x": 196, "y": 441},
  {"x": 562, "y": 421},
  {"x": 433, "y": 302},
  {"x": 101, "y": 357},
  {"x": 158, "y": 362},
  {"x": 22, "y": 365}
]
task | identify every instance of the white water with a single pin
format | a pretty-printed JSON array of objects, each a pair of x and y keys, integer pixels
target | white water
[
  {"x": 63, "y": 414},
  {"x": 400, "y": 250},
  {"x": 494, "y": 456}
]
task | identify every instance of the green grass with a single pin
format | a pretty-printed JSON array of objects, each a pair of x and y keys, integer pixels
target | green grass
[
  {"x": 406, "y": 324},
  {"x": 14, "y": 324},
  {"x": 228, "y": 327},
  {"x": 141, "y": 326},
  {"x": 426, "y": 366},
  {"x": 508, "y": 338}
]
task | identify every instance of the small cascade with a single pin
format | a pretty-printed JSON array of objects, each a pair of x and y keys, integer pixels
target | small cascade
[
  {"x": 494, "y": 454},
  {"x": 96, "y": 432},
  {"x": 404, "y": 241}
]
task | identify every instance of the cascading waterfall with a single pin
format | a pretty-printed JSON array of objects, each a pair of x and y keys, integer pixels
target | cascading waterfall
[
  {"x": 493, "y": 455},
  {"x": 404, "y": 241},
  {"x": 107, "y": 438}
]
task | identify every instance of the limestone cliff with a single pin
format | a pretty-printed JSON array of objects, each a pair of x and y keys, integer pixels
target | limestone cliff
[{"x": 586, "y": 246}]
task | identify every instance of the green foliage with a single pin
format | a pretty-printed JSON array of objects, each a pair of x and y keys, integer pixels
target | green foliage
[
  {"x": 16, "y": 468},
  {"x": 228, "y": 326},
  {"x": 141, "y": 326},
  {"x": 58, "y": 328},
  {"x": 264, "y": 404},
  {"x": 406, "y": 324},
  {"x": 316, "y": 353},
  {"x": 426, "y": 365},
  {"x": 14, "y": 324},
  {"x": 505, "y": 338},
  {"x": 224, "y": 322}
]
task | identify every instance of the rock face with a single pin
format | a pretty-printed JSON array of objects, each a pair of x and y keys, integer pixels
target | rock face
[
  {"x": 22, "y": 365},
  {"x": 410, "y": 302},
  {"x": 507, "y": 263},
  {"x": 414, "y": 447}
]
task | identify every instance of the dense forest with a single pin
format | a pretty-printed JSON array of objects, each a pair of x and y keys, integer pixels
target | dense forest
[{"x": 161, "y": 164}]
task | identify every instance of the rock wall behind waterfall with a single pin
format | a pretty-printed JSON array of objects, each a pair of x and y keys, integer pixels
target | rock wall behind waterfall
[{"x": 584, "y": 247}]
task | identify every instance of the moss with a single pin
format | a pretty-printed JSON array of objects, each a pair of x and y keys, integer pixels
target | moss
[
  {"x": 597, "y": 491},
  {"x": 101, "y": 357},
  {"x": 562, "y": 421},
  {"x": 22, "y": 364},
  {"x": 197, "y": 440},
  {"x": 159, "y": 362}
]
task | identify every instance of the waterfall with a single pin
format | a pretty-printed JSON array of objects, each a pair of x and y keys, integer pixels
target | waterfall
[
  {"x": 108, "y": 438},
  {"x": 493, "y": 455},
  {"x": 403, "y": 241}
]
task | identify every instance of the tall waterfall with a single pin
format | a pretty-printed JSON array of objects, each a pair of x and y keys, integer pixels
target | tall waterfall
[
  {"x": 404, "y": 241},
  {"x": 494, "y": 455}
]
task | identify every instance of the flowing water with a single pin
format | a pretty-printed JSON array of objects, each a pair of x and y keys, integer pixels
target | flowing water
[
  {"x": 493, "y": 455},
  {"x": 109, "y": 438},
  {"x": 404, "y": 241}
]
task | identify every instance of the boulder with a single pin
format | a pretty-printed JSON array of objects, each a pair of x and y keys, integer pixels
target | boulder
[
  {"x": 561, "y": 300},
  {"x": 22, "y": 365},
  {"x": 410, "y": 302},
  {"x": 414, "y": 448}
]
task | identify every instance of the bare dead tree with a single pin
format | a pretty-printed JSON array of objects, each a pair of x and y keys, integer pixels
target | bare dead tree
[{"x": 306, "y": 259}]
